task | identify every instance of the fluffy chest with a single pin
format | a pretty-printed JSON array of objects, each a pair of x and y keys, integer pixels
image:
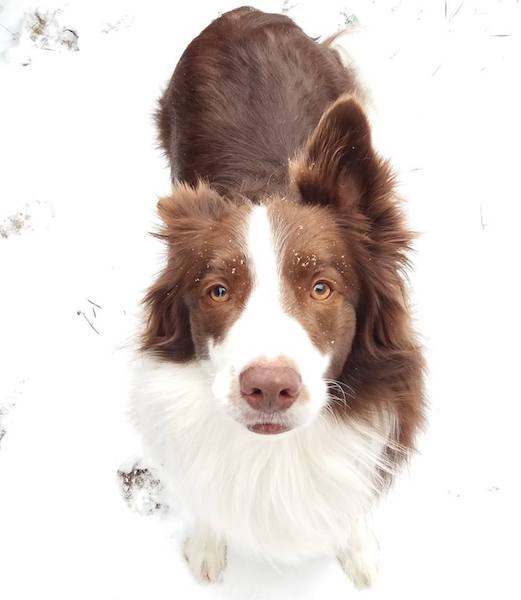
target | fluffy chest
[{"x": 287, "y": 497}]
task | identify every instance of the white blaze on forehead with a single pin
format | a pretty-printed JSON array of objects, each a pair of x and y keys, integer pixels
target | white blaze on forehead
[
  {"x": 265, "y": 330},
  {"x": 264, "y": 261}
]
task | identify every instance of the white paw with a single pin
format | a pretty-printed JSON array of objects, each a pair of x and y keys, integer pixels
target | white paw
[
  {"x": 360, "y": 568},
  {"x": 205, "y": 555},
  {"x": 359, "y": 558}
]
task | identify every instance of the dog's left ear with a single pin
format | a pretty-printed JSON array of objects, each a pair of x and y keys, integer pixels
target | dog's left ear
[
  {"x": 339, "y": 167},
  {"x": 340, "y": 170}
]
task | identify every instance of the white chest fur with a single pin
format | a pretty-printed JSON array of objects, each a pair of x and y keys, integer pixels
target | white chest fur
[{"x": 286, "y": 497}]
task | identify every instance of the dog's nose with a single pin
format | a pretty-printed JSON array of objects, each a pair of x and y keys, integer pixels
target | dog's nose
[{"x": 270, "y": 388}]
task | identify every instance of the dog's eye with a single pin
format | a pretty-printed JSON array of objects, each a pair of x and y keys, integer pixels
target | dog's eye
[
  {"x": 219, "y": 293},
  {"x": 321, "y": 290}
]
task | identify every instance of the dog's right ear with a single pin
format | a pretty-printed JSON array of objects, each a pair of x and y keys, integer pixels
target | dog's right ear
[
  {"x": 167, "y": 330},
  {"x": 186, "y": 217}
]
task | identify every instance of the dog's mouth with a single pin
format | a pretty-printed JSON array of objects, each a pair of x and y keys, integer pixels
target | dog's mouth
[{"x": 268, "y": 428}]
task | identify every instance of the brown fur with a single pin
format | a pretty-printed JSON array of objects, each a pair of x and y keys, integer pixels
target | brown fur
[
  {"x": 201, "y": 229},
  {"x": 251, "y": 92},
  {"x": 243, "y": 99},
  {"x": 340, "y": 169},
  {"x": 316, "y": 249}
]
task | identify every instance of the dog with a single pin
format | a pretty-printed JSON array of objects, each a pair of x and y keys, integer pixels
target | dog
[{"x": 280, "y": 380}]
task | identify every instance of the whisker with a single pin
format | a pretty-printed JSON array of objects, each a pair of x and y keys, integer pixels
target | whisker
[
  {"x": 342, "y": 384},
  {"x": 343, "y": 396}
]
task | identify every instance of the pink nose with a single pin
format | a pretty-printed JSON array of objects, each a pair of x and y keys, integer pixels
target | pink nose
[{"x": 270, "y": 388}]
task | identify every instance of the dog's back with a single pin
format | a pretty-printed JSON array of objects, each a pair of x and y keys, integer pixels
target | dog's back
[{"x": 243, "y": 99}]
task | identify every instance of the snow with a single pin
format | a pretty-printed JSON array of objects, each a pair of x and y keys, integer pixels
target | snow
[{"x": 80, "y": 175}]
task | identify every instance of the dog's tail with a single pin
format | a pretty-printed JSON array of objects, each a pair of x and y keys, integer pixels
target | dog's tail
[
  {"x": 337, "y": 43},
  {"x": 358, "y": 51}
]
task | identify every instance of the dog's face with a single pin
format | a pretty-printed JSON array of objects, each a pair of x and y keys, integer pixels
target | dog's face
[
  {"x": 274, "y": 315},
  {"x": 268, "y": 296}
]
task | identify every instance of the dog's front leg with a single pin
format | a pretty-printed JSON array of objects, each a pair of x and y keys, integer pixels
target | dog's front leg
[
  {"x": 359, "y": 557},
  {"x": 205, "y": 554}
]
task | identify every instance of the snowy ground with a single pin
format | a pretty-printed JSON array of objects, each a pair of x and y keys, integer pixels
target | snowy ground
[{"x": 79, "y": 176}]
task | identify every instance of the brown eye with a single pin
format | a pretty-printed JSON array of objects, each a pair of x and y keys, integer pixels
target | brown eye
[
  {"x": 321, "y": 290},
  {"x": 218, "y": 293}
]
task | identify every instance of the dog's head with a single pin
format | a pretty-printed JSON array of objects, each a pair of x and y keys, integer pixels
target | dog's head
[{"x": 281, "y": 300}]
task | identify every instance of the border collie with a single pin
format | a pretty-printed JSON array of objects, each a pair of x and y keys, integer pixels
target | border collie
[{"x": 280, "y": 383}]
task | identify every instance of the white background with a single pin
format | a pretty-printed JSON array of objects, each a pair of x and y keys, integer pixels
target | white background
[{"x": 79, "y": 177}]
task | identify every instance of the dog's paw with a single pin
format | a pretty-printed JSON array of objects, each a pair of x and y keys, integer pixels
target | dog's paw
[
  {"x": 359, "y": 559},
  {"x": 205, "y": 555},
  {"x": 360, "y": 568}
]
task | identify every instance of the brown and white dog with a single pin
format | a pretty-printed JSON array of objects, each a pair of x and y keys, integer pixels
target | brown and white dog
[{"x": 281, "y": 382}]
